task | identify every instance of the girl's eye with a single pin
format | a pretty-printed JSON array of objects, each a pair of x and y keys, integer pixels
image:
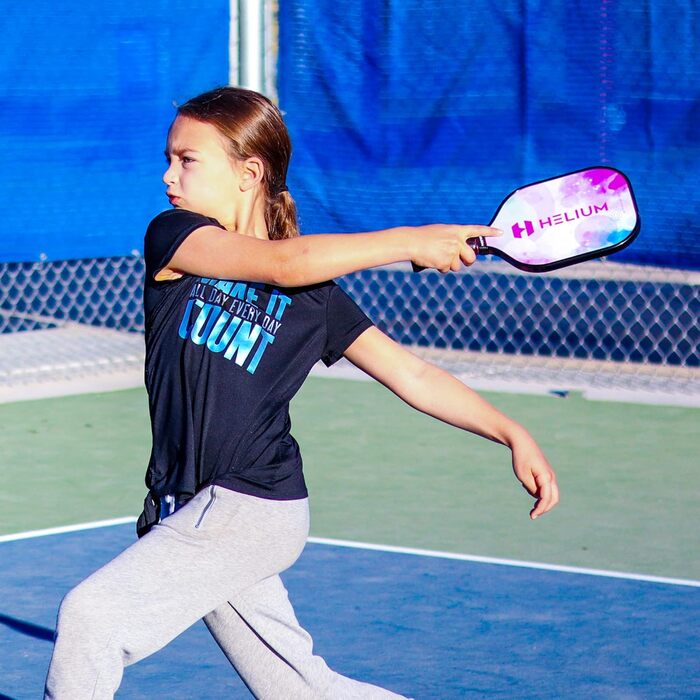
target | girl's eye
[{"x": 186, "y": 159}]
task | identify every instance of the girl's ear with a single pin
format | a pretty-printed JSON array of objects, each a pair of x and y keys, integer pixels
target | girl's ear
[{"x": 252, "y": 173}]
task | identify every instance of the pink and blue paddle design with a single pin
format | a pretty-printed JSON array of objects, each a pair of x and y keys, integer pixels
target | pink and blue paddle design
[{"x": 564, "y": 220}]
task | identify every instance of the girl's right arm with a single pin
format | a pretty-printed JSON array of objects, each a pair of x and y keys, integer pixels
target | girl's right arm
[
  {"x": 213, "y": 252},
  {"x": 437, "y": 393}
]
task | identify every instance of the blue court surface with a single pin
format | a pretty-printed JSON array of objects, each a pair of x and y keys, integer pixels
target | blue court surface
[{"x": 426, "y": 627}]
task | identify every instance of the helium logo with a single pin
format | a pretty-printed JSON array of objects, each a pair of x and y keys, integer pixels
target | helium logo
[
  {"x": 566, "y": 217},
  {"x": 518, "y": 230}
]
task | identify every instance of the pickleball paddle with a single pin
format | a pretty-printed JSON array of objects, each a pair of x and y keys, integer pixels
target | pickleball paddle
[{"x": 564, "y": 220}]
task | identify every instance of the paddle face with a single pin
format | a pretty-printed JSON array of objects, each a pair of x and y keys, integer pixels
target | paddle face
[{"x": 565, "y": 220}]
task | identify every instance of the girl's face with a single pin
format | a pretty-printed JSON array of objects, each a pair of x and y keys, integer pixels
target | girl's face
[{"x": 201, "y": 176}]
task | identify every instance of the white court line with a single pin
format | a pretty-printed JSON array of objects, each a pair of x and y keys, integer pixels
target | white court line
[
  {"x": 507, "y": 562},
  {"x": 389, "y": 548},
  {"x": 66, "y": 528}
]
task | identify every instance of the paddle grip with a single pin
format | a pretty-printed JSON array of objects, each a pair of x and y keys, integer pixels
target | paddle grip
[{"x": 478, "y": 245}]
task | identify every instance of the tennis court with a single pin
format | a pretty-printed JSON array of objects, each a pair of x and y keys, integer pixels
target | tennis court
[{"x": 477, "y": 601}]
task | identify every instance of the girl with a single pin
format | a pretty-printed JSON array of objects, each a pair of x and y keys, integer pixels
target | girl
[{"x": 238, "y": 310}]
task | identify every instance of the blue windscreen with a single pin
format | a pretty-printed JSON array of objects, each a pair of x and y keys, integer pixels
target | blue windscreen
[
  {"x": 416, "y": 111},
  {"x": 86, "y": 94}
]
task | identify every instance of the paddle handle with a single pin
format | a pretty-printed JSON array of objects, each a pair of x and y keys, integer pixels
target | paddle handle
[{"x": 478, "y": 245}]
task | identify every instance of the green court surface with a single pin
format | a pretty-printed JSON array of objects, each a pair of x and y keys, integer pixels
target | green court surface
[{"x": 380, "y": 472}]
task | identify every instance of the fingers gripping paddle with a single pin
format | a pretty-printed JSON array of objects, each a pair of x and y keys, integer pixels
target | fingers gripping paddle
[{"x": 564, "y": 220}]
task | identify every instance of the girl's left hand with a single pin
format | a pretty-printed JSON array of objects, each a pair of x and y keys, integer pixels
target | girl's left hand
[{"x": 535, "y": 474}]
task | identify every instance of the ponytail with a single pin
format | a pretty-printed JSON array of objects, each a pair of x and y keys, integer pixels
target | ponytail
[{"x": 281, "y": 216}]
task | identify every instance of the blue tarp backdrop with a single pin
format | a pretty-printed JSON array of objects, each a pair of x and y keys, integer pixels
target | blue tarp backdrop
[
  {"x": 86, "y": 95},
  {"x": 408, "y": 111},
  {"x": 400, "y": 112}
]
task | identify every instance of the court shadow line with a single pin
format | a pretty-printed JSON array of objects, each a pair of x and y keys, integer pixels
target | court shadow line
[{"x": 27, "y": 628}]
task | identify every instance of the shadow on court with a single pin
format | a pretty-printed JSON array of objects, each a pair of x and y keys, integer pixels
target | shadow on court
[
  {"x": 27, "y": 628},
  {"x": 422, "y": 626}
]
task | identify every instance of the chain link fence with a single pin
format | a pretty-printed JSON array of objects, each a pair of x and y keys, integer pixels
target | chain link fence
[
  {"x": 103, "y": 292},
  {"x": 608, "y": 313},
  {"x": 599, "y": 324}
]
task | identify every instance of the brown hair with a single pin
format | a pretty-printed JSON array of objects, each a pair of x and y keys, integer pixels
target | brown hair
[{"x": 253, "y": 126}]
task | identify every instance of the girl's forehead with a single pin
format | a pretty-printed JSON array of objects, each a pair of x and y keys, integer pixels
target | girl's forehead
[{"x": 191, "y": 134}]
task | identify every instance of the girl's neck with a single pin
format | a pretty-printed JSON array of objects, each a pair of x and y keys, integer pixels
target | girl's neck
[{"x": 248, "y": 221}]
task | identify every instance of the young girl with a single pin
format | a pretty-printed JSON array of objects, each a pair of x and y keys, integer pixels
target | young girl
[{"x": 238, "y": 311}]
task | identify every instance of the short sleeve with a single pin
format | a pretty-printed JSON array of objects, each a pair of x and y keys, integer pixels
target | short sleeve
[
  {"x": 165, "y": 234},
  {"x": 345, "y": 322}
]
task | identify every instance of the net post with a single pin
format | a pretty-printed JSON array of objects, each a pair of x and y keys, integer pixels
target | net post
[
  {"x": 252, "y": 45},
  {"x": 234, "y": 64}
]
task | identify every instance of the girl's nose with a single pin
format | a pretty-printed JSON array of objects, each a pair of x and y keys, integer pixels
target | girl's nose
[{"x": 169, "y": 176}]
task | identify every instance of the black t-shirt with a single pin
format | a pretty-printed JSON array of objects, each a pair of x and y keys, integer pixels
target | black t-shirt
[{"x": 223, "y": 360}]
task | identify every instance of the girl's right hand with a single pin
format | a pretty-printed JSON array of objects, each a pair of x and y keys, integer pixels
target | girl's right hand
[
  {"x": 535, "y": 473},
  {"x": 444, "y": 247}
]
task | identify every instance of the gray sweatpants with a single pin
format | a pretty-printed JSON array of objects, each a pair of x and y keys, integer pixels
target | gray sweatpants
[{"x": 218, "y": 557}]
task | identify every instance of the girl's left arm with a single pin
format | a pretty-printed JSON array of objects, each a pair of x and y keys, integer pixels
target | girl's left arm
[{"x": 431, "y": 390}]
